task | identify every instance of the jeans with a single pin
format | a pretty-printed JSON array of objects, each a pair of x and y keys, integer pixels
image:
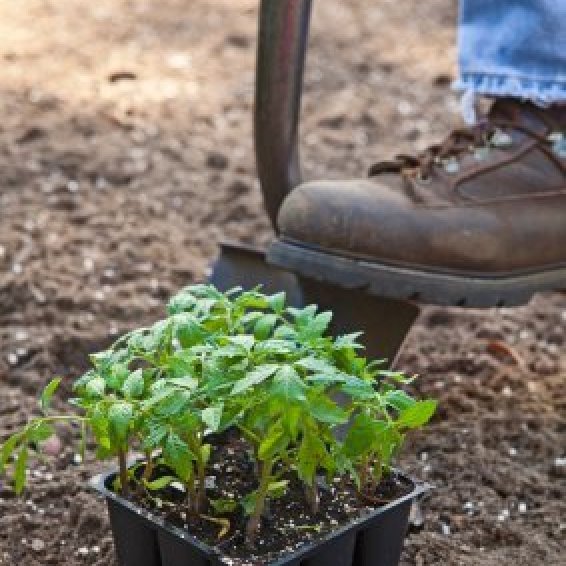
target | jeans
[{"x": 513, "y": 48}]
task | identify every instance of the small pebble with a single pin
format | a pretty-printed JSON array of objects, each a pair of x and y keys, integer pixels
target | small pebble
[
  {"x": 73, "y": 186},
  {"x": 37, "y": 545},
  {"x": 503, "y": 515},
  {"x": 52, "y": 447},
  {"x": 522, "y": 507}
]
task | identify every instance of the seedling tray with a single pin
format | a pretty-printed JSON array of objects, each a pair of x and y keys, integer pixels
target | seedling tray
[{"x": 142, "y": 538}]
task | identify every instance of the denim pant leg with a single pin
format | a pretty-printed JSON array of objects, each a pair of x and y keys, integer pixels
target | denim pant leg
[{"x": 513, "y": 48}]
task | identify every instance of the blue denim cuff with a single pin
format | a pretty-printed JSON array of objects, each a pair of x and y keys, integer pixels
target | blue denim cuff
[{"x": 542, "y": 92}]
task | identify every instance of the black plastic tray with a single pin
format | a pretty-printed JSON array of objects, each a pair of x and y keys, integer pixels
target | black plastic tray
[{"x": 144, "y": 539}]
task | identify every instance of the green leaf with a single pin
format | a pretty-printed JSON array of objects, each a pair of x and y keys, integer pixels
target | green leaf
[
  {"x": 277, "y": 488},
  {"x": 386, "y": 444},
  {"x": 47, "y": 394},
  {"x": 245, "y": 341},
  {"x": 275, "y": 346},
  {"x": 317, "y": 365},
  {"x": 188, "y": 330},
  {"x": 312, "y": 452},
  {"x": 211, "y": 417},
  {"x": 205, "y": 451},
  {"x": 178, "y": 456},
  {"x": 95, "y": 388},
  {"x": 348, "y": 341},
  {"x": 326, "y": 411},
  {"x": 224, "y": 506},
  {"x": 158, "y": 394},
  {"x": 264, "y": 326},
  {"x": 398, "y": 399},
  {"x": 275, "y": 442},
  {"x": 277, "y": 302},
  {"x": 291, "y": 421},
  {"x": 116, "y": 375},
  {"x": 156, "y": 434},
  {"x": 84, "y": 379},
  {"x": 99, "y": 425},
  {"x": 248, "y": 503},
  {"x": 179, "y": 365},
  {"x": 302, "y": 316},
  {"x": 288, "y": 385},
  {"x": 8, "y": 449},
  {"x": 20, "y": 469},
  {"x": 252, "y": 300},
  {"x": 358, "y": 388},
  {"x": 254, "y": 377},
  {"x": 120, "y": 416},
  {"x": 159, "y": 483},
  {"x": 417, "y": 415},
  {"x": 317, "y": 326},
  {"x": 39, "y": 431},
  {"x": 134, "y": 385},
  {"x": 186, "y": 382},
  {"x": 362, "y": 435},
  {"x": 174, "y": 404}
]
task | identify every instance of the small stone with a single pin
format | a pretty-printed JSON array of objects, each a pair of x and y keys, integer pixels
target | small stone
[
  {"x": 52, "y": 447},
  {"x": 522, "y": 507},
  {"x": 504, "y": 515},
  {"x": 21, "y": 335},
  {"x": 37, "y": 545},
  {"x": 82, "y": 551},
  {"x": 445, "y": 529},
  {"x": 178, "y": 60},
  {"x": 72, "y": 186}
]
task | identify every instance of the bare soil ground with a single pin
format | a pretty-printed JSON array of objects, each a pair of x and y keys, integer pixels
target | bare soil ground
[{"x": 126, "y": 154}]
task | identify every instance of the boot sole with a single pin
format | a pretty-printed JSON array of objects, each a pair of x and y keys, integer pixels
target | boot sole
[{"x": 412, "y": 284}]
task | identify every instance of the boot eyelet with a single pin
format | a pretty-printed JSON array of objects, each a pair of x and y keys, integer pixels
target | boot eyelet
[
  {"x": 501, "y": 139},
  {"x": 481, "y": 153},
  {"x": 451, "y": 166},
  {"x": 558, "y": 140}
]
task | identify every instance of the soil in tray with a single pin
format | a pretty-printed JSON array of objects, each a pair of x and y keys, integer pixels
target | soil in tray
[{"x": 288, "y": 522}]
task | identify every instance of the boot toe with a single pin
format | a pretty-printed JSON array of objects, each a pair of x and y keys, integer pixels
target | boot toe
[
  {"x": 379, "y": 222},
  {"x": 353, "y": 218}
]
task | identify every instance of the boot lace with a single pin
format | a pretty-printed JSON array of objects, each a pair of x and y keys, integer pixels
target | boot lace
[{"x": 478, "y": 139}]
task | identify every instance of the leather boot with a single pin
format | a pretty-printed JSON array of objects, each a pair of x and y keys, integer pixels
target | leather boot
[{"x": 478, "y": 220}]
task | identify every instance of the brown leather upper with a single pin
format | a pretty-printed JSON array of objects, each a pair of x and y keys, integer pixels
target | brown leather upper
[{"x": 490, "y": 200}]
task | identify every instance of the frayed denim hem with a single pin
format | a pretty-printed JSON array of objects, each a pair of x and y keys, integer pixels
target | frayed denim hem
[{"x": 541, "y": 92}]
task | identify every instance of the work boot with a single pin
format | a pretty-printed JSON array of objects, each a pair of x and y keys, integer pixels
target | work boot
[{"x": 479, "y": 220}]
